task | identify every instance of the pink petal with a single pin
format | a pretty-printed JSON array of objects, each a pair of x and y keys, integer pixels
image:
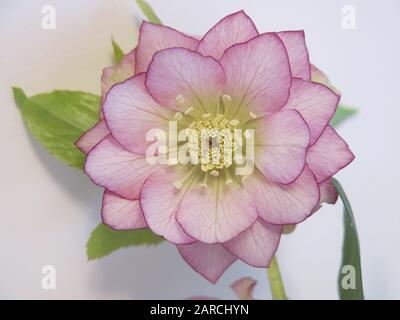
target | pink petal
[
  {"x": 328, "y": 155},
  {"x": 316, "y": 103},
  {"x": 318, "y": 76},
  {"x": 92, "y": 137},
  {"x": 118, "y": 73},
  {"x": 111, "y": 166},
  {"x": 284, "y": 204},
  {"x": 298, "y": 54},
  {"x": 244, "y": 288},
  {"x": 209, "y": 260},
  {"x": 216, "y": 213},
  {"x": 257, "y": 245},
  {"x": 328, "y": 192},
  {"x": 281, "y": 142},
  {"x": 121, "y": 214},
  {"x": 130, "y": 113},
  {"x": 257, "y": 74},
  {"x": 178, "y": 72},
  {"x": 159, "y": 200},
  {"x": 153, "y": 38},
  {"x": 232, "y": 29}
]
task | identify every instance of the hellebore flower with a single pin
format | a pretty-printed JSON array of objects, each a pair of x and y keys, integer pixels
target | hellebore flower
[{"x": 233, "y": 78}]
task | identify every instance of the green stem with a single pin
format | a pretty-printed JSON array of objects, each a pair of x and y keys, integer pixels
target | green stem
[{"x": 275, "y": 281}]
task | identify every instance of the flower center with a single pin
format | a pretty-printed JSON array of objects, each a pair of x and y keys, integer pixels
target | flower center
[
  {"x": 217, "y": 141},
  {"x": 213, "y": 142}
]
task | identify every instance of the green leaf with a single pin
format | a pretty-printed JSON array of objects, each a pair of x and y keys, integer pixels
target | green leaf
[
  {"x": 118, "y": 53},
  {"x": 148, "y": 11},
  {"x": 105, "y": 240},
  {"x": 58, "y": 119},
  {"x": 350, "y": 276},
  {"x": 342, "y": 114},
  {"x": 19, "y": 96}
]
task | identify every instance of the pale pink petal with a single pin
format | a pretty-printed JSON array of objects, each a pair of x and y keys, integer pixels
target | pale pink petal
[
  {"x": 296, "y": 48},
  {"x": 111, "y": 166},
  {"x": 159, "y": 200},
  {"x": 153, "y": 38},
  {"x": 130, "y": 113},
  {"x": 316, "y": 103},
  {"x": 179, "y": 79},
  {"x": 209, "y": 260},
  {"x": 244, "y": 288},
  {"x": 118, "y": 72},
  {"x": 92, "y": 137},
  {"x": 216, "y": 213},
  {"x": 318, "y": 76},
  {"x": 284, "y": 204},
  {"x": 281, "y": 142},
  {"x": 121, "y": 214},
  {"x": 232, "y": 29},
  {"x": 257, "y": 245},
  {"x": 257, "y": 74},
  {"x": 328, "y": 155},
  {"x": 328, "y": 192}
]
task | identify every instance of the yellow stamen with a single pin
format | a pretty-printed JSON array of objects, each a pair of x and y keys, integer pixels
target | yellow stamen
[
  {"x": 204, "y": 183},
  {"x": 228, "y": 177},
  {"x": 214, "y": 173},
  {"x": 180, "y": 99},
  {"x": 178, "y": 184},
  {"x": 226, "y": 98},
  {"x": 178, "y": 116},
  {"x": 188, "y": 110},
  {"x": 215, "y": 142},
  {"x": 253, "y": 115}
]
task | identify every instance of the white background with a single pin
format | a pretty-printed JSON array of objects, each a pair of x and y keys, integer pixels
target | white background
[{"x": 48, "y": 210}]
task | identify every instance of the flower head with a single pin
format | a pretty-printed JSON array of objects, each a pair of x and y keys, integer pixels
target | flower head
[{"x": 234, "y": 80}]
